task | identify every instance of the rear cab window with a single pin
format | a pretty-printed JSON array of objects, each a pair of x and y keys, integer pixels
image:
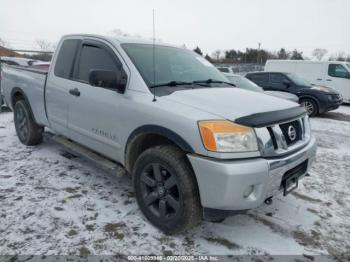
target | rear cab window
[{"x": 66, "y": 57}]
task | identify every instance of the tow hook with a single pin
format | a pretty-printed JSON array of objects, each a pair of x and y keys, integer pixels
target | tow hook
[{"x": 268, "y": 201}]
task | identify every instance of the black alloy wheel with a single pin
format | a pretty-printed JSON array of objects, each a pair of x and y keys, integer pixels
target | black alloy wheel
[
  {"x": 28, "y": 132},
  {"x": 160, "y": 191},
  {"x": 166, "y": 189}
]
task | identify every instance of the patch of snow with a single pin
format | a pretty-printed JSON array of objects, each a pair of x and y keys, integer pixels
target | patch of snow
[{"x": 52, "y": 204}]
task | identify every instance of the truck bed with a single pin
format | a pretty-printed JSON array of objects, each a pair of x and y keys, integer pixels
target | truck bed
[{"x": 30, "y": 80}]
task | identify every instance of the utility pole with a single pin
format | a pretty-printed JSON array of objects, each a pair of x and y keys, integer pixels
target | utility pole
[{"x": 258, "y": 56}]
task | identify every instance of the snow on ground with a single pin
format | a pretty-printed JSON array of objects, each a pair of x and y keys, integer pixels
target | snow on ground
[{"x": 52, "y": 202}]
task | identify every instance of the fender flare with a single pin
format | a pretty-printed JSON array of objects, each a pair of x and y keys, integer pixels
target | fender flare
[
  {"x": 151, "y": 130},
  {"x": 163, "y": 131},
  {"x": 19, "y": 90},
  {"x": 311, "y": 97}
]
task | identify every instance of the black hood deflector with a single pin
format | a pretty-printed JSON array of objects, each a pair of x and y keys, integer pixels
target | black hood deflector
[{"x": 271, "y": 118}]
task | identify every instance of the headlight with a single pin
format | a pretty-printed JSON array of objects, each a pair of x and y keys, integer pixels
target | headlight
[{"x": 225, "y": 136}]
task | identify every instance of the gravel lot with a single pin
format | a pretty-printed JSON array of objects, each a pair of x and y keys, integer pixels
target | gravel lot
[{"x": 52, "y": 202}]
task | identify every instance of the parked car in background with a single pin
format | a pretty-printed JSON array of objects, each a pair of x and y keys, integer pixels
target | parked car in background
[
  {"x": 331, "y": 74},
  {"x": 2, "y": 100},
  {"x": 315, "y": 99},
  {"x": 225, "y": 69},
  {"x": 195, "y": 147},
  {"x": 40, "y": 65},
  {"x": 18, "y": 61},
  {"x": 244, "y": 83}
]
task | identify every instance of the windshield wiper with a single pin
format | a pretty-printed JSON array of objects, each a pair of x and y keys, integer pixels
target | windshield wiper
[
  {"x": 172, "y": 83},
  {"x": 198, "y": 82},
  {"x": 211, "y": 81}
]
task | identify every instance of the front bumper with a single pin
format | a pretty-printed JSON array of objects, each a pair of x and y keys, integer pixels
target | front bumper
[
  {"x": 327, "y": 105},
  {"x": 223, "y": 184}
]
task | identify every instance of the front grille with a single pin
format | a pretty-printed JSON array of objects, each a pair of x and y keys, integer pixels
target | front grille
[
  {"x": 292, "y": 132},
  {"x": 279, "y": 139}
]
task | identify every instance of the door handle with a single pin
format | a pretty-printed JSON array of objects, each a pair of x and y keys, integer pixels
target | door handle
[
  {"x": 329, "y": 80},
  {"x": 74, "y": 92},
  {"x": 319, "y": 79}
]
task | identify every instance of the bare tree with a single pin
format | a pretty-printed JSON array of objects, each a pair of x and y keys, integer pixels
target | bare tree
[
  {"x": 217, "y": 55},
  {"x": 118, "y": 32},
  {"x": 44, "y": 45},
  {"x": 340, "y": 56},
  {"x": 3, "y": 43},
  {"x": 319, "y": 53}
]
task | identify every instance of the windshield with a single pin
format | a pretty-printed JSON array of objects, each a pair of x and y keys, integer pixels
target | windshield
[
  {"x": 171, "y": 64},
  {"x": 298, "y": 80},
  {"x": 244, "y": 83}
]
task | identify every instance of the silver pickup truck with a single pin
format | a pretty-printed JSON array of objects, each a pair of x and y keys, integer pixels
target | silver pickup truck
[{"x": 196, "y": 146}]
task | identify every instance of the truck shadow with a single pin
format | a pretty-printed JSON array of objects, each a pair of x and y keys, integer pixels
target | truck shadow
[
  {"x": 336, "y": 116},
  {"x": 5, "y": 109}
]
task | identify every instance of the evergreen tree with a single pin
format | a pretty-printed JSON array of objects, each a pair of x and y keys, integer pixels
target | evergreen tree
[{"x": 296, "y": 55}]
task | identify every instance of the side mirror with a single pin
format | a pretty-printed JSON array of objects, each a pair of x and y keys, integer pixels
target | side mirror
[
  {"x": 108, "y": 79},
  {"x": 286, "y": 83}
]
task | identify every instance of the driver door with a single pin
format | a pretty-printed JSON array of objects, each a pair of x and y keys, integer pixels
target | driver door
[{"x": 95, "y": 112}]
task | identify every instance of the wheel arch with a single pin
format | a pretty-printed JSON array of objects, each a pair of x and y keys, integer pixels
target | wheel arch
[
  {"x": 147, "y": 136},
  {"x": 16, "y": 94},
  {"x": 313, "y": 98}
]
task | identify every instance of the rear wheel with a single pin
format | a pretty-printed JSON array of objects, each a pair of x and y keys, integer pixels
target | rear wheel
[
  {"x": 310, "y": 106},
  {"x": 166, "y": 190},
  {"x": 28, "y": 132}
]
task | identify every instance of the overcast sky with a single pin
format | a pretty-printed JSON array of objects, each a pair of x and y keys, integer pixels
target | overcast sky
[{"x": 219, "y": 24}]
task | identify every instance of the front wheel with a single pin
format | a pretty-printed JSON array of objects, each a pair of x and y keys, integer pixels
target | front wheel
[
  {"x": 28, "y": 132},
  {"x": 166, "y": 190},
  {"x": 310, "y": 106}
]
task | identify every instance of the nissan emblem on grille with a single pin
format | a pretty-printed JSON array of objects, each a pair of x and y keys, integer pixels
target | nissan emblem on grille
[{"x": 292, "y": 133}]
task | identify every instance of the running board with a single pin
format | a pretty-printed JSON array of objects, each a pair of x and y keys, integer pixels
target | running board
[{"x": 101, "y": 161}]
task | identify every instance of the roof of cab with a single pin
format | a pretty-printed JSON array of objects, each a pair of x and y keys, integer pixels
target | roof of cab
[{"x": 119, "y": 40}]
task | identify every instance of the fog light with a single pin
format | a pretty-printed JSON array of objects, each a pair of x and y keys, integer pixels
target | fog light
[{"x": 248, "y": 191}]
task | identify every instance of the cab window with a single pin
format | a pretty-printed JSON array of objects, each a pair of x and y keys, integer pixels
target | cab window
[
  {"x": 337, "y": 70},
  {"x": 92, "y": 58}
]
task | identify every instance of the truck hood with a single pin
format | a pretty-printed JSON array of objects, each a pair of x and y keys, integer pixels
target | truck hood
[{"x": 229, "y": 103}]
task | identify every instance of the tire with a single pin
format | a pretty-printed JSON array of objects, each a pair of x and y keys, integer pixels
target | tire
[
  {"x": 28, "y": 132},
  {"x": 166, "y": 190},
  {"x": 310, "y": 106}
]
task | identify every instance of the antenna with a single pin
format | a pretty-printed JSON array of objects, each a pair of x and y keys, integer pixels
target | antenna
[{"x": 154, "y": 60}]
